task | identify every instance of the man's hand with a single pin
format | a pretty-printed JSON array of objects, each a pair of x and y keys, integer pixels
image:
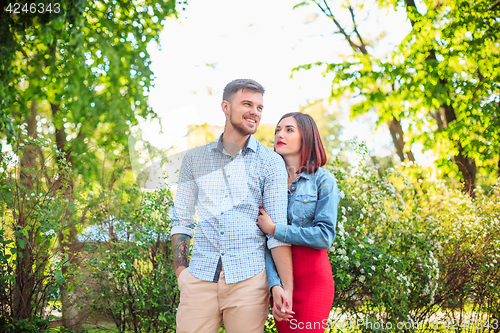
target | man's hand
[
  {"x": 179, "y": 270},
  {"x": 282, "y": 304}
]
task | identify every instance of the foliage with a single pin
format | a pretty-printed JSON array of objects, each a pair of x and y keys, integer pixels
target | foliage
[
  {"x": 78, "y": 80},
  {"x": 439, "y": 86},
  {"x": 132, "y": 281},
  {"x": 83, "y": 77},
  {"x": 35, "y": 325},
  {"x": 31, "y": 224},
  {"x": 411, "y": 248}
]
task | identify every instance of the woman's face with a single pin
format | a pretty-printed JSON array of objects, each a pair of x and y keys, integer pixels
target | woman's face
[{"x": 287, "y": 138}]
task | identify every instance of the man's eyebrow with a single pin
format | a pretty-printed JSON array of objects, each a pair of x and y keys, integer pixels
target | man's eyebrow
[{"x": 249, "y": 101}]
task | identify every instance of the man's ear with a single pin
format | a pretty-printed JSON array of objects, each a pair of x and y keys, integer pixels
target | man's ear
[{"x": 225, "y": 107}]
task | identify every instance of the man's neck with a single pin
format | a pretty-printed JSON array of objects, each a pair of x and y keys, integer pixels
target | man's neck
[{"x": 233, "y": 141}]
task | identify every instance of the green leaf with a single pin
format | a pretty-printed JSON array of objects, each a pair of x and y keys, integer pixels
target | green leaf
[{"x": 303, "y": 3}]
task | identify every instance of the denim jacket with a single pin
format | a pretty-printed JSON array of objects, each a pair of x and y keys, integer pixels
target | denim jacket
[{"x": 312, "y": 216}]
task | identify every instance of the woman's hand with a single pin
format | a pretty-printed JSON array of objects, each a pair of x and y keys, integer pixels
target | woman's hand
[
  {"x": 265, "y": 222},
  {"x": 282, "y": 304}
]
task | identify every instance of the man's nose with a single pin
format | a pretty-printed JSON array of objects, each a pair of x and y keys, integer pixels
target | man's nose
[{"x": 254, "y": 110}]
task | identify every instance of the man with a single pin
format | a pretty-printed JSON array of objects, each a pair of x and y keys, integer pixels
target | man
[{"x": 228, "y": 180}]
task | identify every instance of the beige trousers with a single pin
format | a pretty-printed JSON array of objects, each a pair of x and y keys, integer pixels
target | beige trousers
[{"x": 203, "y": 305}]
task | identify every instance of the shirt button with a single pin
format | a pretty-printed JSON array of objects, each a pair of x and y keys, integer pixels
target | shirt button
[
  {"x": 222, "y": 232},
  {"x": 228, "y": 176},
  {"x": 222, "y": 254}
]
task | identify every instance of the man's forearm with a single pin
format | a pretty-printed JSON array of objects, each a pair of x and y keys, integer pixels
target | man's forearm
[
  {"x": 282, "y": 256},
  {"x": 180, "y": 248}
]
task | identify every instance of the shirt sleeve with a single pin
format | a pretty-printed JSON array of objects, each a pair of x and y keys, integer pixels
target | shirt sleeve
[
  {"x": 185, "y": 200},
  {"x": 322, "y": 232},
  {"x": 275, "y": 199}
]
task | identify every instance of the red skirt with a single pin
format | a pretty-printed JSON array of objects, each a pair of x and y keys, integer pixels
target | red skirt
[{"x": 313, "y": 291}]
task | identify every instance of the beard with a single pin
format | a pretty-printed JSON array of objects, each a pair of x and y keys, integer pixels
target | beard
[{"x": 240, "y": 128}]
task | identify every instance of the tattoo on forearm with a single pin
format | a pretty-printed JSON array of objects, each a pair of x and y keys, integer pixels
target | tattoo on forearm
[{"x": 180, "y": 246}]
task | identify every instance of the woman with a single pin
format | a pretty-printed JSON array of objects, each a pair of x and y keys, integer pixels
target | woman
[{"x": 313, "y": 198}]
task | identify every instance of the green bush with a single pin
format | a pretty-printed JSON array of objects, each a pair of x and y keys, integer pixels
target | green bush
[
  {"x": 133, "y": 282},
  {"x": 33, "y": 204},
  {"x": 412, "y": 249}
]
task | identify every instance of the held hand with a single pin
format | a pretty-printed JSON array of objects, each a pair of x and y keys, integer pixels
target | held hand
[
  {"x": 265, "y": 222},
  {"x": 179, "y": 270},
  {"x": 282, "y": 307}
]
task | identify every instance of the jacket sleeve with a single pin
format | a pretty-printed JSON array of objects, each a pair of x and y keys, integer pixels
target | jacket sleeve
[
  {"x": 273, "y": 278},
  {"x": 322, "y": 232}
]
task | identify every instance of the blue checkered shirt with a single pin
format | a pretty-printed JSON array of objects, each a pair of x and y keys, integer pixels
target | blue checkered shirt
[{"x": 228, "y": 190}]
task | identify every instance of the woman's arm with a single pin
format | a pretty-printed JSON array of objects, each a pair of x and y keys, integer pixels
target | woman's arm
[{"x": 322, "y": 232}]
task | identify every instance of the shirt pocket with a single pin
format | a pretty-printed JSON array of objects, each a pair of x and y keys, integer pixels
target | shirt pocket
[{"x": 304, "y": 206}]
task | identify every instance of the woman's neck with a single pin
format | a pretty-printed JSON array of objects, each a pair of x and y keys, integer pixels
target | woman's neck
[{"x": 292, "y": 164}]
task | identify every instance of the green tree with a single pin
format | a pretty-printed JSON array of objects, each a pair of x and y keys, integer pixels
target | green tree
[
  {"x": 80, "y": 80},
  {"x": 442, "y": 80}
]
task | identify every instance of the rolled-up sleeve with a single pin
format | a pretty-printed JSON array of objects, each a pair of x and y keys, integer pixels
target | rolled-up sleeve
[
  {"x": 185, "y": 200},
  {"x": 275, "y": 198}
]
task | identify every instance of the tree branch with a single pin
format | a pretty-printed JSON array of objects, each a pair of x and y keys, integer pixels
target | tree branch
[
  {"x": 330, "y": 15},
  {"x": 361, "y": 47}
]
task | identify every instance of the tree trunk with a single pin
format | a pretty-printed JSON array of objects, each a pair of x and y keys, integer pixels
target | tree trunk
[
  {"x": 28, "y": 159},
  {"x": 465, "y": 164},
  {"x": 398, "y": 140},
  {"x": 468, "y": 169},
  {"x": 24, "y": 285},
  {"x": 72, "y": 317},
  {"x": 24, "y": 280}
]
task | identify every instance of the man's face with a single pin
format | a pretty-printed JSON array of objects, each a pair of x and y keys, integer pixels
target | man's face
[{"x": 244, "y": 111}]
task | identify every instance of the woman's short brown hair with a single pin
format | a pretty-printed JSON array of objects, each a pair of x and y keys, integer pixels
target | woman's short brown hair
[{"x": 313, "y": 153}]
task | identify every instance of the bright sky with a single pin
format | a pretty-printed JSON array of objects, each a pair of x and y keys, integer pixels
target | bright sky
[{"x": 214, "y": 42}]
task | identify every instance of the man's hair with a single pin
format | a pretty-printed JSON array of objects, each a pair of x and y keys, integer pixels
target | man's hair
[
  {"x": 313, "y": 153},
  {"x": 241, "y": 84}
]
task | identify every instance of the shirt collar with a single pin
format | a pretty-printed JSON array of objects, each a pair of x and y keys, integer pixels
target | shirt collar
[{"x": 250, "y": 144}]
